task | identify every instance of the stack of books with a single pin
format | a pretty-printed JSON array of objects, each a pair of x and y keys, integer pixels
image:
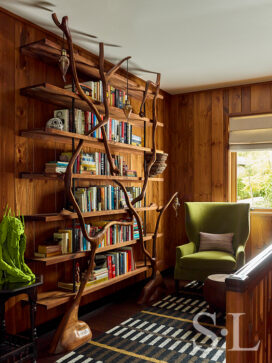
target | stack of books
[
  {"x": 97, "y": 198},
  {"x": 130, "y": 173},
  {"x": 136, "y": 233},
  {"x": 64, "y": 239},
  {"x": 136, "y": 140},
  {"x": 98, "y": 275},
  {"x": 56, "y": 167},
  {"x": 48, "y": 251}
]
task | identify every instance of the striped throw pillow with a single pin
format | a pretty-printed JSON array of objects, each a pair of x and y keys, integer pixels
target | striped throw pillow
[{"x": 216, "y": 242}]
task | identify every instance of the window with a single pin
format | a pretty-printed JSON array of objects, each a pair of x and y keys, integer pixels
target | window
[
  {"x": 254, "y": 178},
  {"x": 250, "y": 143}
]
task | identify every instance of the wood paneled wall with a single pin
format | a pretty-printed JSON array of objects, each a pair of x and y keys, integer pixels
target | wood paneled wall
[
  {"x": 18, "y": 154},
  {"x": 195, "y": 136},
  {"x": 199, "y": 150}
]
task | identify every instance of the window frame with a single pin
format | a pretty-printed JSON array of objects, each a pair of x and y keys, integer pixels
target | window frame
[{"x": 232, "y": 190}]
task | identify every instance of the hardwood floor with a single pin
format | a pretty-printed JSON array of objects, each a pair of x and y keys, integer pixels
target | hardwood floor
[{"x": 103, "y": 316}]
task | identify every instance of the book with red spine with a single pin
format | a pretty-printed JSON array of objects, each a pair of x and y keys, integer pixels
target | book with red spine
[
  {"x": 113, "y": 270},
  {"x": 123, "y": 132},
  {"x": 129, "y": 260},
  {"x": 109, "y": 263}
]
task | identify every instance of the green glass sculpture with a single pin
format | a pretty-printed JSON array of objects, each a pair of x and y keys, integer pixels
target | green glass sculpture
[{"x": 12, "y": 248}]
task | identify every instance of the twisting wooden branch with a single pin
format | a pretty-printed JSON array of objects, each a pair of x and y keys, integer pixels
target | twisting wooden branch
[
  {"x": 63, "y": 26},
  {"x": 153, "y": 288},
  {"x": 138, "y": 219},
  {"x": 161, "y": 211},
  {"x": 68, "y": 333},
  {"x": 71, "y": 333}
]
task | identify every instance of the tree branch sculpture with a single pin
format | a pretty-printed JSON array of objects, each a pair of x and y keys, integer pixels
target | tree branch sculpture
[{"x": 71, "y": 332}]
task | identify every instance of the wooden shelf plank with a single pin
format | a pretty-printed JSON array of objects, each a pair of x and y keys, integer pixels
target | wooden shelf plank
[
  {"x": 54, "y": 217},
  {"x": 65, "y": 137},
  {"x": 107, "y": 179},
  {"x": 72, "y": 256},
  {"x": 63, "y": 98},
  {"x": 49, "y": 52},
  {"x": 52, "y": 299}
]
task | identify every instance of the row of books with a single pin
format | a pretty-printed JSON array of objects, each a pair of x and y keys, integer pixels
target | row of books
[
  {"x": 116, "y": 263},
  {"x": 117, "y": 131},
  {"x": 95, "y": 163},
  {"x": 97, "y": 198},
  {"x": 94, "y": 90},
  {"x": 64, "y": 237},
  {"x": 115, "y": 234},
  {"x": 120, "y": 262}
]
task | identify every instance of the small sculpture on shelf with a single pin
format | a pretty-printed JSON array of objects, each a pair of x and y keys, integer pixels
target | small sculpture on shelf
[
  {"x": 64, "y": 63},
  {"x": 54, "y": 123},
  {"x": 77, "y": 273}
]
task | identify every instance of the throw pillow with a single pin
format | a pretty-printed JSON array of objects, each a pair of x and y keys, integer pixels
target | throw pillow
[{"x": 216, "y": 242}]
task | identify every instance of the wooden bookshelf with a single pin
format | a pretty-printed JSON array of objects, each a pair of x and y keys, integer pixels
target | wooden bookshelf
[
  {"x": 52, "y": 299},
  {"x": 49, "y": 52},
  {"x": 55, "y": 217},
  {"x": 106, "y": 179},
  {"x": 72, "y": 256},
  {"x": 66, "y": 137},
  {"x": 63, "y": 98}
]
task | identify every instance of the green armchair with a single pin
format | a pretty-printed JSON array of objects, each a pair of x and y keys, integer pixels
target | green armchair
[{"x": 215, "y": 218}]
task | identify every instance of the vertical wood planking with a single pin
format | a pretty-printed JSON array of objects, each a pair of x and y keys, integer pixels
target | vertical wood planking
[
  {"x": 202, "y": 147},
  {"x": 194, "y": 171},
  {"x": 218, "y": 165},
  {"x": 18, "y": 154},
  {"x": 235, "y": 100},
  {"x": 260, "y": 98},
  {"x": 7, "y": 152},
  {"x": 246, "y": 99}
]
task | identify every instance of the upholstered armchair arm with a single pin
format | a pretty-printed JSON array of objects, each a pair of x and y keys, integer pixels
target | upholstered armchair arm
[
  {"x": 240, "y": 256},
  {"x": 186, "y": 249}
]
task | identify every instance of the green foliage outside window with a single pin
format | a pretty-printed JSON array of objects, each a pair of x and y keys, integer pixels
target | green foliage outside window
[{"x": 254, "y": 178}]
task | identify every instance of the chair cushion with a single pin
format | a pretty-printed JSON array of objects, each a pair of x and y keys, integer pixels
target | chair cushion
[
  {"x": 218, "y": 261},
  {"x": 216, "y": 242}
]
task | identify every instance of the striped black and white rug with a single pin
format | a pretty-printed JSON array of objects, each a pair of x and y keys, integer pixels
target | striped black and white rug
[{"x": 163, "y": 332}]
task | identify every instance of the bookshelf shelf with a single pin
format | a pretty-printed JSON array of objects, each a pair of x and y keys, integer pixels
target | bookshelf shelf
[
  {"x": 54, "y": 217},
  {"x": 63, "y": 98},
  {"x": 106, "y": 179},
  {"x": 66, "y": 137},
  {"x": 52, "y": 299},
  {"x": 49, "y": 52},
  {"x": 72, "y": 256}
]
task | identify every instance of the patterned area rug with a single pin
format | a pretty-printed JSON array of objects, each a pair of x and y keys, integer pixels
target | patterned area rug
[{"x": 163, "y": 332}]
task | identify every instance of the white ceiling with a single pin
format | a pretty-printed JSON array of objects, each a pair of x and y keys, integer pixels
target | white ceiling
[{"x": 195, "y": 44}]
